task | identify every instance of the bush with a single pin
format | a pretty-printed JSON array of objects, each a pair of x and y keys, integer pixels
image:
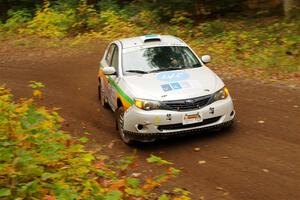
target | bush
[
  {"x": 17, "y": 19},
  {"x": 114, "y": 26},
  {"x": 212, "y": 28},
  {"x": 145, "y": 19},
  {"x": 181, "y": 18},
  {"x": 38, "y": 160},
  {"x": 50, "y": 23},
  {"x": 106, "y": 5}
]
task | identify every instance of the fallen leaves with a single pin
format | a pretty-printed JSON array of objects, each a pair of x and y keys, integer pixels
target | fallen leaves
[
  {"x": 197, "y": 149},
  {"x": 136, "y": 175},
  {"x": 201, "y": 162},
  {"x": 111, "y": 144},
  {"x": 158, "y": 160},
  {"x": 37, "y": 93},
  {"x": 265, "y": 170},
  {"x": 219, "y": 188}
]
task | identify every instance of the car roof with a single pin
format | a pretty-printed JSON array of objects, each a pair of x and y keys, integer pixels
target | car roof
[{"x": 151, "y": 40}]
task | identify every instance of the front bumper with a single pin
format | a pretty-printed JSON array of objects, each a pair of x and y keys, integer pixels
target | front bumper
[{"x": 146, "y": 125}]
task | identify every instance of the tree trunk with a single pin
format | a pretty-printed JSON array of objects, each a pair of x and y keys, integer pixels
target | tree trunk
[{"x": 288, "y": 7}]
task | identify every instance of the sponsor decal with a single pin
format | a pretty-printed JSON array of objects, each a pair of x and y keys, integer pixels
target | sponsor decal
[
  {"x": 172, "y": 76},
  {"x": 169, "y": 117},
  {"x": 175, "y": 86},
  {"x": 166, "y": 87},
  {"x": 180, "y": 85}
]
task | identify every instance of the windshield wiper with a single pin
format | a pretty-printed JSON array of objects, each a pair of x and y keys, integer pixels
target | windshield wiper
[
  {"x": 166, "y": 69},
  {"x": 137, "y": 71}
]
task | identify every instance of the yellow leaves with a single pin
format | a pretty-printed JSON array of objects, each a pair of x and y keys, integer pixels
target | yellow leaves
[
  {"x": 22, "y": 109},
  {"x": 37, "y": 93},
  {"x": 181, "y": 198},
  {"x": 5, "y": 97},
  {"x": 46, "y": 124},
  {"x": 150, "y": 184},
  {"x": 115, "y": 26},
  {"x": 50, "y": 23},
  {"x": 117, "y": 185},
  {"x": 4, "y": 90}
]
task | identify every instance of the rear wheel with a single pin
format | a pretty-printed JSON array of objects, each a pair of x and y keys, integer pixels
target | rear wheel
[
  {"x": 101, "y": 96},
  {"x": 120, "y": 126}
]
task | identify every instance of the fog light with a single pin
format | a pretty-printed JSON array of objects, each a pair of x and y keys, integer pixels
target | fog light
[{"x": 140, "y": 127}]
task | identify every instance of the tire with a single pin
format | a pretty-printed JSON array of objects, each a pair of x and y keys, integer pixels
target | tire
[
  {"x": 101, "y": 97},
  {"x": 120, "y": 126}
]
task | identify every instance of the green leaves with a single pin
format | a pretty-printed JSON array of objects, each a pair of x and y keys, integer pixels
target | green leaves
[
  {"x": 88, "y": 157},
  {"x": 164, "y": 197},
  {"x": 83, "y": 139},
  {"x": 5, "y": 153},
  {"x": 133, "y": 182},
  {"x": 173, "y": 171},
  {"x": 35, "y": 84},
  {"x": 158, "y": 160},
  {"x": 38, "y": 160},
  {"x": 31, "y": 118},
  {"x": 4, "y": 192},
  {"x": 113, "y": 195}
]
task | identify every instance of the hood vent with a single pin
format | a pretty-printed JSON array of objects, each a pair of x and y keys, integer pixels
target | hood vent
[{"x": 151, "y": 38}]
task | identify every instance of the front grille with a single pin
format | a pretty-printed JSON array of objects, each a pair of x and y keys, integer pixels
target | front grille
[
  {"x": 187, "y": 104},
  {"x": 181, "y": 126}
]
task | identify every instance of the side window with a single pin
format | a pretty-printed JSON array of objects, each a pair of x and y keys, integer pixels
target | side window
[
  {"x": 109, "y": 54},
  {"x": 115, "y": 58}
]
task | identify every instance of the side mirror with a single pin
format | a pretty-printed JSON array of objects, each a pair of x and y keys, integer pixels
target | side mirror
[
  {"x": 109, "y": 71},
  {"x": 206, "y": 58}
]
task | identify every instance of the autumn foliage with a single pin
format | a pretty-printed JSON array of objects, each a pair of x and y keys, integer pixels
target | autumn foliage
[{"x": 38, "y": 160}]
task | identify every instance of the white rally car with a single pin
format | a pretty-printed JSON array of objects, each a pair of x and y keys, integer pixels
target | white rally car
[{"x": 158, "y": 87}]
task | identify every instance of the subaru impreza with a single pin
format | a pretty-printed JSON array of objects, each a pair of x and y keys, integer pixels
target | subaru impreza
[{"x": 158, "y": 87}]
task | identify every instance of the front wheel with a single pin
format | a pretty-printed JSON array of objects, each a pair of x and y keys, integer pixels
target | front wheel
[{"x": 120, "y": 126}]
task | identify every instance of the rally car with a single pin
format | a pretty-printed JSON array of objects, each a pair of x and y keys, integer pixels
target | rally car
[{"x": 158, "y": 87}]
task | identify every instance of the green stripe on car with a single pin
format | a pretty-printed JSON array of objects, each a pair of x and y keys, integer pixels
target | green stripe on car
[{"x": 120, "y": 91}]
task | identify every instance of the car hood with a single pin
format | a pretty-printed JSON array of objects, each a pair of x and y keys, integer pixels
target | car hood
[{"x": 172, "y": 85}]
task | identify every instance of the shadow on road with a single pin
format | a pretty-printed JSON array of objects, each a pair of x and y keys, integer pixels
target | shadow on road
[{"x": 186, "y": 140}]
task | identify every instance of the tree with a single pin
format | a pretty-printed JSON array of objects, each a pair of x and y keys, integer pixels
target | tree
[{"x": 288, "y": 7}]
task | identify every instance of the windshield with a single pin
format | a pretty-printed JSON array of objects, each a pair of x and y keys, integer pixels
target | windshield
[{"x": 161, "y": 58}]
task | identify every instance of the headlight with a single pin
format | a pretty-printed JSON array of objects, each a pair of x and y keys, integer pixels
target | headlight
[
  {"x": 147, "y": 104},
  {"x": 221, "y": 94}
]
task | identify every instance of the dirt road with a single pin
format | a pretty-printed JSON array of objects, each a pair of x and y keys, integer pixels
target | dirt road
[{"x": 253, "y": 160}]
